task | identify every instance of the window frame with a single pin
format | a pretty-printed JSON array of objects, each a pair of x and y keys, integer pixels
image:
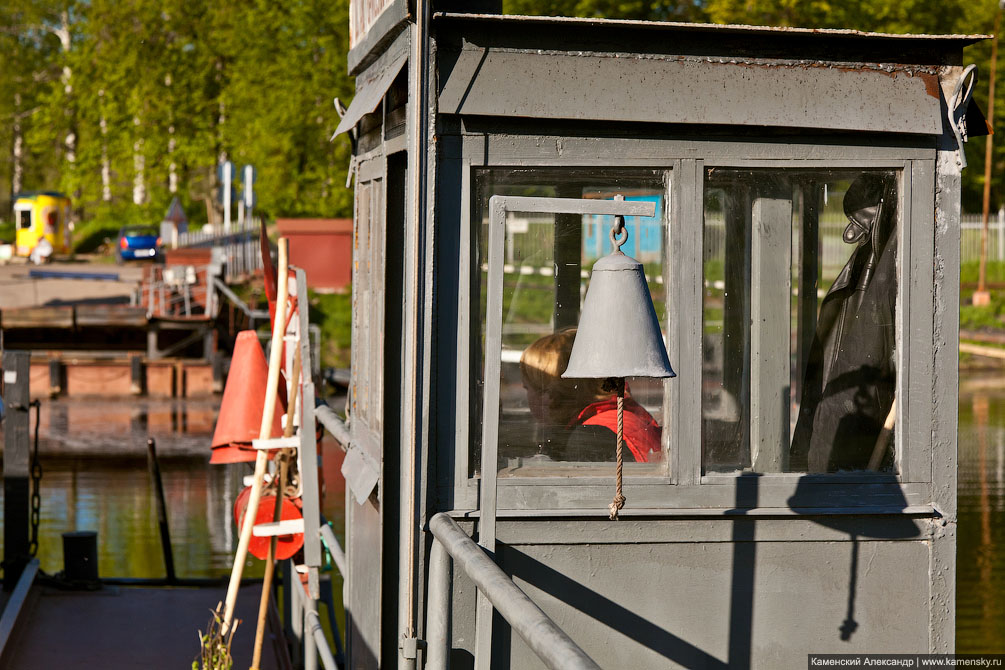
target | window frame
[
  {"x": 684, "y": 490},
  {"x": 21, "y": 212}
]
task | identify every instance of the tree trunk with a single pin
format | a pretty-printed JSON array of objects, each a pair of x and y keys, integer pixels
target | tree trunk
[
  {"x": 17, "y": 172},
  {"x": 172, "y": 166},
  {"x": 63, "y": 33},
  {"x": 106, "y": 168},
  {"x": 139, "y": 168}
]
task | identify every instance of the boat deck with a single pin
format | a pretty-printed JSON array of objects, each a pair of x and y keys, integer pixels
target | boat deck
[{"x": 131, "y": 627}]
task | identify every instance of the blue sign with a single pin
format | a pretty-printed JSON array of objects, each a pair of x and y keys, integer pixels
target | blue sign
[
  {"x": 645, "y": 233},
  {"x": 233, "y": 195}
]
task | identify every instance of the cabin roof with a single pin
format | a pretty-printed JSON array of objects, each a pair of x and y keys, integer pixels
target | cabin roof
[
  {"x": 579, "y": 35},
  {"x": 710, "y": 28},
  {"x": 27, "y": 195}
]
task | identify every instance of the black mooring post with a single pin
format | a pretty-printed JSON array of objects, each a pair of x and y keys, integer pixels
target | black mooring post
[
  {"x": 15, "y": 466},
  {"x": 155, "y": 478}
]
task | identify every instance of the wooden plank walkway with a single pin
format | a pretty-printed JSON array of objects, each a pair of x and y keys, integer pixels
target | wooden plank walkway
[{"x": 127, "y": 627}]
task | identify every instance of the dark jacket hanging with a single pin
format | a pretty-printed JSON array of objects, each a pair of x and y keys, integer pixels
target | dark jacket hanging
[{"x": 850, "y": 378}]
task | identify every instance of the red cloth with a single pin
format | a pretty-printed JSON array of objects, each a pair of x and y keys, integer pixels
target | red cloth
[{"x": 641, "y": 432}]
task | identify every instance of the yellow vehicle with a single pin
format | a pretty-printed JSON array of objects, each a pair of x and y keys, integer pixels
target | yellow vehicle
[{"x": 38, "y": 215}]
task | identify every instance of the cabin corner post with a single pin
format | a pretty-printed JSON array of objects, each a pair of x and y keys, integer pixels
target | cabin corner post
[
  {"x": 945, "y": 388},
  {"x": 417, "y": 336}
]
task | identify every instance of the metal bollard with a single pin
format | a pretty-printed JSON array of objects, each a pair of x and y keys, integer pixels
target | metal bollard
[{"x": 80, "y": 557}]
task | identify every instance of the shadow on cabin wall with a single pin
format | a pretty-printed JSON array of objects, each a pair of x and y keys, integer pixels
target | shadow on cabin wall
[{"x": 652, "y": 635}]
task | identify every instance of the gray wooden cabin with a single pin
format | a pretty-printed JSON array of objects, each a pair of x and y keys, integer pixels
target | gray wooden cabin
[{"x": 767, "y": 527}]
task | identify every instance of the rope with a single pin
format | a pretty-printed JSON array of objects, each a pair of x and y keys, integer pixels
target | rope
[{"x": 619, "y": 498}]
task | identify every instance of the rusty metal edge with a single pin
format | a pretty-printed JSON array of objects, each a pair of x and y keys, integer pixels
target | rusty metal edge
[{"x": 707, "y": 27}]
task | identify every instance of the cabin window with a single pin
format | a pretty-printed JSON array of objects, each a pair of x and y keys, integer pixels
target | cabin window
[
  {"x": 24, "y": 219},
  {"x": 550, "y": 426},
  {"x": 799, "y": 311}
]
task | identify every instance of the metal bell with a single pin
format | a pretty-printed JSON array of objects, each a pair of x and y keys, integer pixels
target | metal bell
[{"x": 619, "y": 334}]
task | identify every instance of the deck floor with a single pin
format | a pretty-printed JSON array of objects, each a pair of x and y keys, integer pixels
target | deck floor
[{"x": 127, "y": 627}]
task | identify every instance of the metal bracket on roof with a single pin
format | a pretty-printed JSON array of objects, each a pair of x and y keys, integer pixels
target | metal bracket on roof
[{"x": 957, "y": 110}]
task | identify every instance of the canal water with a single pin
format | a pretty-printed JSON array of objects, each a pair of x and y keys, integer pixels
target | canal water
[{"x": 95, "y": 478}]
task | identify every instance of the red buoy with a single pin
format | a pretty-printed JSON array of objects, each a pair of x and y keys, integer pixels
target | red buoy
[{"x": 286, "y": 545}]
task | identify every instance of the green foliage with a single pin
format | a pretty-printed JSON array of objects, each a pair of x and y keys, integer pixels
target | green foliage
[
  {"x": 126, "y": 105},
  {"x": 214, "y": 644},
  {"x": 665, "y": 10},
  {"x": 994, "y": 272},
  {"x": 104, "y": 97},
  {"x": 991, "y": 317},
  {"x": 332, "y": 312},
  {"x": 7, "y": 232}
]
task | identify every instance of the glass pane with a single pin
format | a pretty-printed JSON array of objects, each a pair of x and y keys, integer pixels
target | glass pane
[
  {"x": 551, "y": 426},
  {"x": 800, "y": 286}
]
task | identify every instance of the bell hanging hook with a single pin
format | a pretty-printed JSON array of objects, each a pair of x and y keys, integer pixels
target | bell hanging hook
[{"x": 619, "y": 232}]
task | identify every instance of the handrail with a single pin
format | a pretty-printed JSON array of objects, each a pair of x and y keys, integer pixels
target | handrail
[
  {"x": 333, "y": 424},
  {"x": 313, "y": 622},
  {"x": 542, "y": 635},
  {"x": 252, "y": 314},
  {"x": 16, "y": 603},
  {"x": 312, "y": 633},
  {"x": 334, "y": 548}
]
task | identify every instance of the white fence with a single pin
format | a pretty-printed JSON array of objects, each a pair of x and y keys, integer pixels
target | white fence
[
  {"x": 970, "y": 237},
  {"x": 834, "y": 251}
]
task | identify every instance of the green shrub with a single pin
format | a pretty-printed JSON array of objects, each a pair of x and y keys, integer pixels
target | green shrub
[
  {"x": 7, "y": 232},
  {"x": 333, "y": 313}
]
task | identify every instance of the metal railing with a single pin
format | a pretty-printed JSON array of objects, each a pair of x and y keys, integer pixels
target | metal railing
[
  {"x": 179, "y": 290},
  {"x": 208, "y": 235},
  {"x": 451, "y": 545},
  {"x": 304, "y": 625},
  {"x": 542, "y": 635},
  {"x": 237, "y": 247}
]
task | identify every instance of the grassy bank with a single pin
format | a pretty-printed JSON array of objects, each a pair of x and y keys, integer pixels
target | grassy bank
[{"x": 987, "y": 318}]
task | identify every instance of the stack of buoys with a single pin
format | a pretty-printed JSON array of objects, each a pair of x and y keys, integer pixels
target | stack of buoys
[{"x": 240, "y": 417}]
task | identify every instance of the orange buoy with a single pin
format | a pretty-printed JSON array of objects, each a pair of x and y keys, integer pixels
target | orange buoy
[
  {"x": 286, "y": 545},
  {"x": 240, "y": 417}
]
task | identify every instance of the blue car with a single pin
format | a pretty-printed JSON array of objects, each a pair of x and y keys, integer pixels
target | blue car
[{"x": 137, "y": 242}]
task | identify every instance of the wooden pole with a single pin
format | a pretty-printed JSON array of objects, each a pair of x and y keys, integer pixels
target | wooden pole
[
  {"x": 883, "y": 439},
  {"x": 278, "y": 327},
  {"x": 270, "y": 560},
  {"x": 982, "y": 296}
]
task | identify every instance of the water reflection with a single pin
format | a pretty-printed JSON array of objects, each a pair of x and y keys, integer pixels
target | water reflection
[
  {"x": 95, "y": 478},
  {"x": 980, "y": 573}
]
